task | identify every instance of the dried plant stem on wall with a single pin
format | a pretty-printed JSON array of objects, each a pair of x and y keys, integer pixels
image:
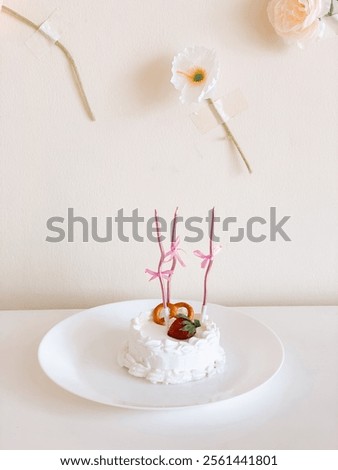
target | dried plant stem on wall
[
  {"x": 67, "y": 54},
  {"x": 228, "y": 132}
]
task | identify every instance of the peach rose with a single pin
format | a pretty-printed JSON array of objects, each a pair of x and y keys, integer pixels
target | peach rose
[{"x": 298, "y": 21}]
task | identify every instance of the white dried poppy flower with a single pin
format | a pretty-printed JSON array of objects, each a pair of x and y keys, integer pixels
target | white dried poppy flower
[{"x": 195, "y": 72}]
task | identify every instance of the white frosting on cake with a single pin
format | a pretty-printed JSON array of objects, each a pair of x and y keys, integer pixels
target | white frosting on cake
[{"x": 152, "y": 354}]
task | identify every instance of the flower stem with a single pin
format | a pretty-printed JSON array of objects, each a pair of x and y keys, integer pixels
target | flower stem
[
  {"x": 331, "y": 9},
  {"x": 67, "y": 54},
  {"x": 228, "y": 132}
]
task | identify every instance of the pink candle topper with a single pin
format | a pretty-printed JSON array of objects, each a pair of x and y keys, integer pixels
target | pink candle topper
[
  {"x": 173, "y": 254},
  {"x": 159, "y": 273},
  {"x": 207, "y": 260}
]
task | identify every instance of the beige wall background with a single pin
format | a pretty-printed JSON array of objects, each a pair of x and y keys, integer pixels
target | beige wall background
[{"x": 144, "y": 152}]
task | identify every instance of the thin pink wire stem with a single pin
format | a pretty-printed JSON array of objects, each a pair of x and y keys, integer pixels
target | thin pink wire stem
[
  {"x": 173, "y": 264},
  {"x": 210, "y": 253},
  {"x": 161, "y": 259}
]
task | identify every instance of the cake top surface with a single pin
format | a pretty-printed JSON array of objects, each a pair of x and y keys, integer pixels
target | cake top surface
[{"x": 153, "y": 334}]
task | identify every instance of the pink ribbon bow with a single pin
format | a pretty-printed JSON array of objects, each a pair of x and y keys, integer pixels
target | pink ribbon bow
[
  {"x": 207, "y": 258},
  {"x": 155, "y": 274},
  {"x": 173, "y": 253}
]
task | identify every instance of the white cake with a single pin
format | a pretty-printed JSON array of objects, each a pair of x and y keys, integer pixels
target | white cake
[{"x": 150, "y": 353}]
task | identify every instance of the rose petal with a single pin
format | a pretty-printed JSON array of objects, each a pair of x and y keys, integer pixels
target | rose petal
[{"x": 297, "y": 21}]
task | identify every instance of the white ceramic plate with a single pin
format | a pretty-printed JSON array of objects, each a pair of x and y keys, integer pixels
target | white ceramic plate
[{"x": 79, "y": 354}]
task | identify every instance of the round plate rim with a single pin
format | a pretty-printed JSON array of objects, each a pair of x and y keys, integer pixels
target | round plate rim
[{"x": 147, "y": 407}]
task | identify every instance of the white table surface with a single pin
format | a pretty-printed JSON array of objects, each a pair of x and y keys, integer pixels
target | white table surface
[{"x": 296, "y": 409}]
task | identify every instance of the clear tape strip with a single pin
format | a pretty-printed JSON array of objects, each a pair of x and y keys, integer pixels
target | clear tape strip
[
  {"x": 204, "y": 119},
  {"x": 48, "y": 30},
  {"x": 228, "y": 107},
  {"x": 48, "y": 33}
]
